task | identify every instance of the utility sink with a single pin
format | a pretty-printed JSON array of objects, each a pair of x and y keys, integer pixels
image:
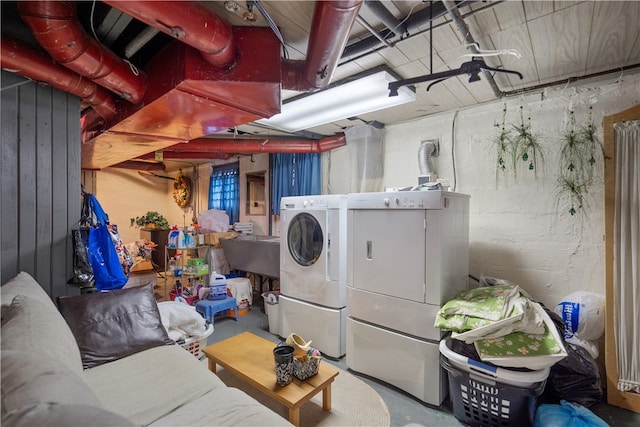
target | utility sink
[{"x": 254, "y": 254}]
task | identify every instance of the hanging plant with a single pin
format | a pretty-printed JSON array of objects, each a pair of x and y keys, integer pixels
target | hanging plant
[
  {"x": 581, "y": 151},
  {"x": 182, "y": 190},
  {"x": 569, "y": 154},
  {"x": 593, "y": 149},
  {"x": 526, "y": 144},
  {"x": 575, "y": 191},
  {"x": 502, "y": 145}
]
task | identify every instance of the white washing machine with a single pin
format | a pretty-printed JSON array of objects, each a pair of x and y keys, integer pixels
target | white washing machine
[
  {"x": 408, "y": 252},
  {"x": 313, "y": 261}
]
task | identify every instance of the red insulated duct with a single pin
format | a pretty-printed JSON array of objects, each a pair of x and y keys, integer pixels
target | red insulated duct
[
  {"x": 57, "y": 28},
  {"x": 198, "y": 27},
  {"x": 21, "y": 58},
  {"x": 332, "y": 22},
  {"x": 254, "y": 146},
  {"x": 188, "y": 21}
]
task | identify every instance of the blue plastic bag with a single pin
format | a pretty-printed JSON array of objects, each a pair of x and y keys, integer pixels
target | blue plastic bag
[
  {"x": 566, "y": 415},
  {"x": 107, "y": 270}
]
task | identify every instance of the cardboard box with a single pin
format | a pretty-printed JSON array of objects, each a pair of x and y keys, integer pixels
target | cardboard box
[
  {"x": 213, "y": 239},
  {"x": 142, "y": 266}
]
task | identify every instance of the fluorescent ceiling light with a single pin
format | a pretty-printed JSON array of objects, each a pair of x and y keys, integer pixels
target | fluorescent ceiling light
[{"x": 364, "y": 95}]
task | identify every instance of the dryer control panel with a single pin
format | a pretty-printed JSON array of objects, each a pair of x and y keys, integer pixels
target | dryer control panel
[
  {"x": 326, "y": 201},
  {"x": 431, "y": 199}
]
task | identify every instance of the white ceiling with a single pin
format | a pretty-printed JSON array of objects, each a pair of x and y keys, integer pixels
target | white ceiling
[{"x": 557, "y": 40}]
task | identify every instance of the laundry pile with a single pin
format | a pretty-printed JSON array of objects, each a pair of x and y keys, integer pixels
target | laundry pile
[
  {"x": 506, "y": 327},
  {"x": 181, "y": 320}
]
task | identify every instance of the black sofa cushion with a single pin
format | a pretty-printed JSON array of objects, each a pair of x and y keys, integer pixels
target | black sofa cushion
[{"x": 111, "y": 325}]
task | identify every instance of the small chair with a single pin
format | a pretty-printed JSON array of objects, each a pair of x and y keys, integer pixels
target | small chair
[{"x": 209, "y": 308}]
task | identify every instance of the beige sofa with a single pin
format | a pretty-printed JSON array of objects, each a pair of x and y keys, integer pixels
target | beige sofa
[{"x": 44, "y": 383}]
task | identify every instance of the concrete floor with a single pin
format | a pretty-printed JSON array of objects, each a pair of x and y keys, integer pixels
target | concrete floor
[{"x": 404, "y": 409}]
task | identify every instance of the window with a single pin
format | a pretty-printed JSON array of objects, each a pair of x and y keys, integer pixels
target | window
[{"x": 224, "y": 190}]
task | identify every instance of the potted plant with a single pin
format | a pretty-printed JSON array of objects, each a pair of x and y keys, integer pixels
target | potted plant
[{"x": 151, "y": 220}]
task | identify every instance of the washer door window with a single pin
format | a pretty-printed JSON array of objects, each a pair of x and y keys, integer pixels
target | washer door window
[{"x": 304, "y": 239}]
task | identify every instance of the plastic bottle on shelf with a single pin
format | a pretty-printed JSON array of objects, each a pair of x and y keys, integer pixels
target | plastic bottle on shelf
[
  {"x": 181, "y": 239},
  {"x": 189, "y": 242},
  {"x": 177, "y": 271},
  {"x": 173, "y": 238},
  {"x": 198, "y": 285},
  {"x": 177, "y": 286}
]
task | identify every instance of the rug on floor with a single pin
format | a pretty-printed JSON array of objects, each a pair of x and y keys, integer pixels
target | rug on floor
[{"x": 353, "y": 402}]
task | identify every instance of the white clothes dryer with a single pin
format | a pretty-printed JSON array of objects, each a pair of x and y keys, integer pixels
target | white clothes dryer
[
  {"x": 313, "y": 261},
  {"x": 408, "y": 253}
]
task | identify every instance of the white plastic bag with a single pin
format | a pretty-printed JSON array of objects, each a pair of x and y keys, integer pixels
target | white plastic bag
[
  {"x": 214, "y": 220},
  {"x": 583, "y": 315}
]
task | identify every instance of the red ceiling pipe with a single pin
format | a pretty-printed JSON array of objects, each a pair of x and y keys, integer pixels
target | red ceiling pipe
[
  {"x": 23, "y": 59},
  {"x": 328, "y": 144},
  {"x": 188, "y": 21},
  {"x": 264, "y": 145},
  {"x": 332, "y": 22},
  {"x": 57, "y": 28}
]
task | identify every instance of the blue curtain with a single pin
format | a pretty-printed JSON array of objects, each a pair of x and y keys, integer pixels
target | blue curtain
[
  {"x": 224, "y": 190},
  {"x": 294, "y": 175}
]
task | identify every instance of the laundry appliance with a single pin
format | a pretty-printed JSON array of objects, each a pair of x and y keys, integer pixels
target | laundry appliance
[
  {"x": 313, "y": 262},
  {"x": 408, "y": 253}
]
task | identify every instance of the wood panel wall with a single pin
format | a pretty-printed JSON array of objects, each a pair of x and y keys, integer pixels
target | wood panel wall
[{"x": 40, "y": 188}]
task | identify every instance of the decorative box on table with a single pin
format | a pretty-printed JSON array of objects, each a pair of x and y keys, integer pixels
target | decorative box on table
[{"x": 305, "y": 369}]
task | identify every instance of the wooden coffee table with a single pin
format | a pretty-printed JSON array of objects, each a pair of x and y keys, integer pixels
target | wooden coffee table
[{"x": 250, "y": 358}]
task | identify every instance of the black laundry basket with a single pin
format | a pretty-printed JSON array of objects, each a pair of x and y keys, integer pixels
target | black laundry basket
[{"x": 483, "y": 395}]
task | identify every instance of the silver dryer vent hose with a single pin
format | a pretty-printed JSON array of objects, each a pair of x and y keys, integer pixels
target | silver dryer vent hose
[{"x": 427, "y": 148}]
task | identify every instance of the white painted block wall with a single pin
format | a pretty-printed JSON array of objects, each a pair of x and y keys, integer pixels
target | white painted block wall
[{"x": 518, "y": 231}]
